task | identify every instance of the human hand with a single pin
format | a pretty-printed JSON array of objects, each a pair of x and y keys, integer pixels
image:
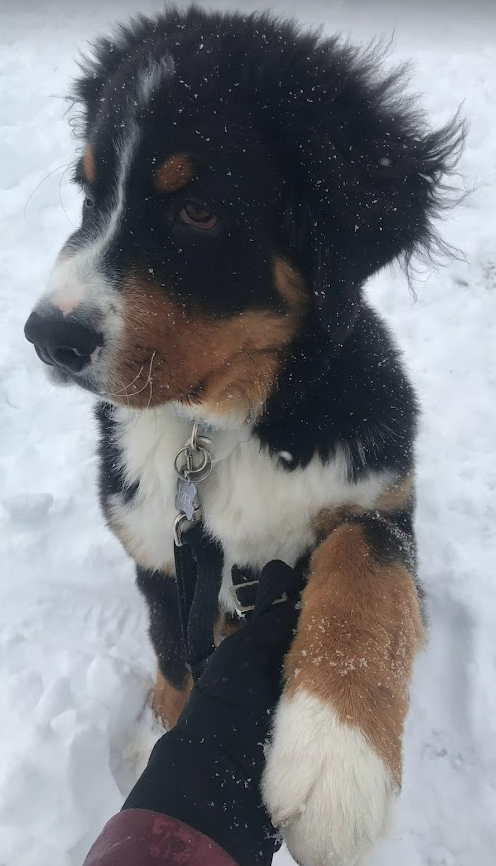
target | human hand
[{"x": 207, "y": 771}]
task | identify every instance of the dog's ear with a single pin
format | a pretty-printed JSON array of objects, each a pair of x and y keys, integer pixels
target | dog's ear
[
  {"x": 86, "y": 92},
  {"x": 97, "y": 67},
  {"x": 365, "y": 176}
]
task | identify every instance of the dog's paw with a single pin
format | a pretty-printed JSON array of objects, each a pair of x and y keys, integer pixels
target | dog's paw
[{"x": 324, "y": 786}]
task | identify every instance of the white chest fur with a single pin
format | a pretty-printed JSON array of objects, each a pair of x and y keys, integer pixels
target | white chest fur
[{"x": 255, "y": 507}]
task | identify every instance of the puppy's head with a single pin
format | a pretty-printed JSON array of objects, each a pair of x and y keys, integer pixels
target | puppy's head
[{"x": 241, "y": 181}]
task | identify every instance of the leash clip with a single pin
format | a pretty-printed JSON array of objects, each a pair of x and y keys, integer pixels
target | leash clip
[
  {"x": 192, "y": 464},
  {"x": 178, "y": 528}
]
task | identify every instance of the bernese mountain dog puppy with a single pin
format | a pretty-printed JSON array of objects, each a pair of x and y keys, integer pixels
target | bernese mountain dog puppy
[{"x": 242, "y": 180}]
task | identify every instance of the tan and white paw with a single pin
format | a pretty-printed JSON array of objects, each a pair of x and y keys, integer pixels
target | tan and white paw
[{"x": 324, "y": 785}]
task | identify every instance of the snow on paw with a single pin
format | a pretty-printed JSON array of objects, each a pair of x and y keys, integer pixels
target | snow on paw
[{"x": 325, "y": 787}]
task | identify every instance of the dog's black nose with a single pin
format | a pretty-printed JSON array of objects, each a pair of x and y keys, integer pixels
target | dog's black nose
[{"x": 62, "y": 343}]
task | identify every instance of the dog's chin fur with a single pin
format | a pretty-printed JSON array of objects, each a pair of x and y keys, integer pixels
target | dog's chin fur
[{"x": 260, "y": 175}]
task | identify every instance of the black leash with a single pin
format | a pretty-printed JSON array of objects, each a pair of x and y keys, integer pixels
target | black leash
[
  {"x": 199, "y": 562},
  {"x": 198, "y": 558}
]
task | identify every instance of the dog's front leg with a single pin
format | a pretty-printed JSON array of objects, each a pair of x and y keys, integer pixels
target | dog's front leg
[
  {"x": 173, "y": 681},
  {"x": 334, "y": 765}
]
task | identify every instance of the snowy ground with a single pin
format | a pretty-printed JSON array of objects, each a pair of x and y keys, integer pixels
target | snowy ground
[{"x": 75, "y": 666}]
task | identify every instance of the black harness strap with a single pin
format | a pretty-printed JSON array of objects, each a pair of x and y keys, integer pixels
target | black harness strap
[{"x": 199, "y": 563}]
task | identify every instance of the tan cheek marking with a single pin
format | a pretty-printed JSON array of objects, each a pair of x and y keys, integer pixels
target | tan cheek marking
[
  {"x": 89, "y": 164},
  {"x": 359, "y": 630},
  {"x": 168, "y": 702},
  {"x": 164, "y": 355},
  {"x": 289, "y": 283},
  {"x": 253, "y": 347},
  {"x": 174, "y": 173}
]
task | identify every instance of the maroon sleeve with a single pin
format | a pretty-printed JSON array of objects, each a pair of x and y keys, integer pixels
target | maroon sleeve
[{"x": 137, "y": 837}]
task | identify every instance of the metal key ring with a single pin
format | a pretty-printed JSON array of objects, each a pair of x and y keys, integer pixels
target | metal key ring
[{"x": 197, "y": 474}]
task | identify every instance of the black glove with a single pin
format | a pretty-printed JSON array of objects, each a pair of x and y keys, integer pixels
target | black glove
[{"x": 207, "y": 771}]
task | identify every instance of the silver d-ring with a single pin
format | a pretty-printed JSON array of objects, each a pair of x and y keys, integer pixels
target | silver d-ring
[
  {"x": 203, "y": 471},
  {"x": 198, "y": 473}
]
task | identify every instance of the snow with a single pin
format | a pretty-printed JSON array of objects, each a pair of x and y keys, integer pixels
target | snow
[{"x": 75, "y": 664}]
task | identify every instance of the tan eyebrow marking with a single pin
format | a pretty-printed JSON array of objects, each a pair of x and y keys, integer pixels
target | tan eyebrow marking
[
  {"x": 89, "y": 165},
  {"x": 173, "y": 173}
]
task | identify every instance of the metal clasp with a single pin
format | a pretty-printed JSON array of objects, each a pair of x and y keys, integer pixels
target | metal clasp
[
  {"x": 178, "y": 526},
  {"x": 185, "y": 460},
  {"x": 245, "y": 608},
  {"x": 192, "y": 464},
  {"x": 184, "y": 464}
]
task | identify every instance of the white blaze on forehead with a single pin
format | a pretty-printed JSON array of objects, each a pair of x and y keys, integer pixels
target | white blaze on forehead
[
  {"x": 126, "y": 151},
  {"x": 152, "y": 75},
  {"x": 76, "y": 278}
]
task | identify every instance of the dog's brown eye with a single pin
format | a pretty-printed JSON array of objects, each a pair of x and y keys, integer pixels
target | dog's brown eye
[{"x": 195, "y": 215}]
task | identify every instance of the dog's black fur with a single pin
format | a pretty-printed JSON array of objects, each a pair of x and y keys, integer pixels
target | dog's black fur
[
  {"x": 312, "y": 152},
  {"x": 353, "y": 180},
  {"x": 305, "y": 152}
]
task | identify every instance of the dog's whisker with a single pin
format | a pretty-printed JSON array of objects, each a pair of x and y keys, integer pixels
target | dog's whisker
[
  {"x": 146, "y": 384},
  {"x": 135, "y": 393},
  {"x": 150, "y": 380},
  {"x": 125, "y": 388},
  {"x": 60, "y": 196},
  {"x": 42, "y": 181}
]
